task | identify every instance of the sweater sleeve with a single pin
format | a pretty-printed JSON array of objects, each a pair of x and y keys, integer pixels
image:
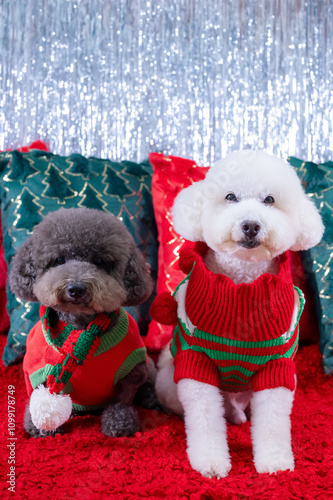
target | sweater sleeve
[
  {"x": 130, "y": 351},
  {"x": 196, "y": 366},
  {"x": 276, "y": 373},
  {"x": 38, "y": 360},
  {"x": 34, "y": 358}
]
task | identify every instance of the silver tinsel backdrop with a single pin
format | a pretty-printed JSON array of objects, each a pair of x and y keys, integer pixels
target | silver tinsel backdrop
[{"x": 121, "y": 78}]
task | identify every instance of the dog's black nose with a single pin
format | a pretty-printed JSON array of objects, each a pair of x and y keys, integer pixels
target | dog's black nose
[
  {"x": 76, "y": 290},
  {"x": 250, "y": 228}
]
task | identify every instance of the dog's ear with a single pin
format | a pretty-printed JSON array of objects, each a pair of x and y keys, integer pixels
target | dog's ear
[
  {"x": 187, "y": 211},
  {"x": 309, "y": 224},
  {"x": 137, "y": 280},
  {"x": 23, "y": 272}
]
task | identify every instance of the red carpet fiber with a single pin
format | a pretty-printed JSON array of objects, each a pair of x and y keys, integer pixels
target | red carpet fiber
[{"x": 84, "y": 464}]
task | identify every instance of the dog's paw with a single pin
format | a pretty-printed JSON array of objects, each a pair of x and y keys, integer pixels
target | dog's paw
[
  {"x": 119, "y": 420},
  {"x": 209, "y": 463},
  {"x": 275, "y": 462}
]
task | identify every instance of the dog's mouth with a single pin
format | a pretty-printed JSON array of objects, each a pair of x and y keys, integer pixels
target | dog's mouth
[
  {"x": 247, "y": 249},
  {"x": 74, "y": 295},
  {"x": 76, "y": 301},
  {"x": 74, "y": 307},
  {"x": 249, "y": 243}
]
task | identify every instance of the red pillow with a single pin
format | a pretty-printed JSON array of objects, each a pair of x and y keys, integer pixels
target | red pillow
[
  {"x": 34, "y": 145},
  {"x": 4, "y": 318},
  {"x": 171, "y": 175}
]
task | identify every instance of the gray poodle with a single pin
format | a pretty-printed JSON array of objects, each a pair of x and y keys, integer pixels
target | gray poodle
[{"x": 85, "y": 354}]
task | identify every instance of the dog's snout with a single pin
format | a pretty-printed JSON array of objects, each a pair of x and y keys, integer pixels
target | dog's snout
[
  {"x": 76, "y": 290},
  {"x": 250, "y": 228}
]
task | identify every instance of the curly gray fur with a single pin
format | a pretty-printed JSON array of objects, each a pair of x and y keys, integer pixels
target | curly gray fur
[
  {"x": 81, "y": 247},
  {"x": 119, "y": 420},
  {"x": 80, "y": 262}
]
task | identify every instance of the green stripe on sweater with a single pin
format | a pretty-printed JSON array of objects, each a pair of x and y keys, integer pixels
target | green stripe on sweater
[
  {"x": 200, "y": 334},
  {"x": 218, "y": 355},
  {"x": 137, "y": 356},
  {"x": 184, "y": 281},
  {"x": 39, "y": 376},
  {"x": 239, "y": 380},
  {"x": 227, "y": 369},
  {"x": 290, "y": 351},
  {"x": 114, "y": 336}
]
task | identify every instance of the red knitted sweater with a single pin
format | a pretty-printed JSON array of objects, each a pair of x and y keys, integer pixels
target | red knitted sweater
[
  {"x": 93, "y": 383},
  {"x": 257, "y": 311},
  {"x": 238, "y": 342}
]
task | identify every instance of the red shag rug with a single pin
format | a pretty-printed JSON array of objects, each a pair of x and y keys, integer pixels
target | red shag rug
[{"x": 84, "y": 464}]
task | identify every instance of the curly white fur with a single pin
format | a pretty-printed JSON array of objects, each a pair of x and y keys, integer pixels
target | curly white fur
[
  {"x": 271, "y": 429},
  {"x": 49, "y": 411},
  {"x": 206, "y": 428},
  {"x": 260, "y": 189},
  {"x": 202, "y": 212}
]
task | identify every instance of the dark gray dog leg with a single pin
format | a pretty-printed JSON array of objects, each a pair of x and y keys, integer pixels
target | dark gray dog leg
[
  {"x": 33, "y": 431},
  {"x": 146, "y": 396},
  {"x": 121, "y": 419}
]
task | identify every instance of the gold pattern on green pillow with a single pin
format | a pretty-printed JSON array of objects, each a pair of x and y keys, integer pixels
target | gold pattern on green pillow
[{"x": 35, "y": 183}]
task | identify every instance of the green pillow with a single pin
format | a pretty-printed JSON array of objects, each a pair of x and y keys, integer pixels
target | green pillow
[
  {"x": 35, "y": 183},
  {"x": 318, "y": 183}
]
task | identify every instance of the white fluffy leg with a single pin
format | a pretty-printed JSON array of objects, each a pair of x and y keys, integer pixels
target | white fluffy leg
[
  {"x": 271, "y": 429},
  {"x": 166, "y": 389},
  {"x": 49, "y": 411},
  {"x": 206, "y": 429}
]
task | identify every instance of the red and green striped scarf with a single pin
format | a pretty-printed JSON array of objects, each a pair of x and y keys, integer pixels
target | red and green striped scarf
[{"x": 75, "y": 346}]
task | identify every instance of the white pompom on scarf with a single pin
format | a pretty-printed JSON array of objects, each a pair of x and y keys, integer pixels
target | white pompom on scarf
[{"x": 49, "y": 411}]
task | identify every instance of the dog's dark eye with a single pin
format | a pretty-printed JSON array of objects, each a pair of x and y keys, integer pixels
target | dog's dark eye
[
  {"x": 231, "y": 197},
  {"x": 98, "y": 262},
  {"x": 269, "y": 200},
  {"x": 101, "y": 264},
  {"x": 59, "y": 261}
]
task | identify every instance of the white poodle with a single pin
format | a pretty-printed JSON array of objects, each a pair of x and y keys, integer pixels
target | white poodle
[{"x": 237, "y": 310}]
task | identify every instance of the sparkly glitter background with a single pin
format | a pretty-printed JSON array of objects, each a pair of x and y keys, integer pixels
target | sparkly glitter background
[{"x": 121, "y": 78}]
